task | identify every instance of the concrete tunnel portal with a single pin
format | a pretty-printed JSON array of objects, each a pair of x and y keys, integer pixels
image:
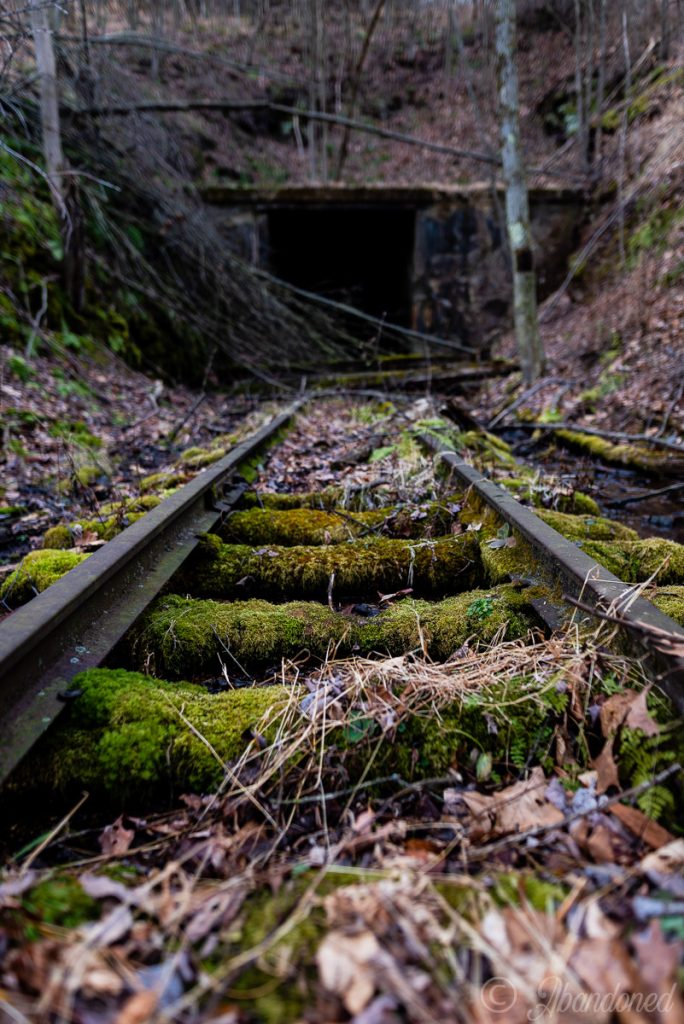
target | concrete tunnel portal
[{"x": 431, "y": 258}]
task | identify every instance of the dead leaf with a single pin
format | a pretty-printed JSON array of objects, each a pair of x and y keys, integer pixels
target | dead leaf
[
  {"x": 606, "y": 769},
  {"x": 667, "y": 860},
  {"x": 384, "y": 598},
  {"x": 614, "y": 711},
  {"x": 514, "y": 809},
  {"x": 115, "y": 839},
  {"x": 343, "y": 965},
  {"x": 658, "y": 964},
  {"x": 627, "y": 708},
  {"x": 639, "y": 717},
  {"x": 653, "y": 834},
  {"x": 138, "y": 1008},
  {"x": 364, "y": 822},
  {"x": 605, "y": 966}
]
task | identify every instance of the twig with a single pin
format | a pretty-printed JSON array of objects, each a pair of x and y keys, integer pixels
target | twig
[
  {"x": 670, "y": 410},
  {"x": 521, "y": 398},
  {"x": 666, "y": 642},
  {"x": 356, "y": 81},
  {"x": 633, "y": 499},
  {"x": 352, "y": 311},
  {"x": 610, "y": 435},
  {"x": 151, "y": 43},
  {"x": 51, "y": 835},
  {"x": 331, "y": 584},
  {"x": 533, "y": 833}
]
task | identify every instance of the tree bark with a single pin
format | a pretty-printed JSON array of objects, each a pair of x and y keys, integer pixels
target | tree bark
[
  {"x": 530, "y": 351},
  {"x": 664, "y": 29},
  {"x": 64, "y": 189},
  {"x": 49, "y": 98}
]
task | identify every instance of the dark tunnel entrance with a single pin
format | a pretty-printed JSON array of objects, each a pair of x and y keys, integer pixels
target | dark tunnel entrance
[{"x": 357, "y": 255}]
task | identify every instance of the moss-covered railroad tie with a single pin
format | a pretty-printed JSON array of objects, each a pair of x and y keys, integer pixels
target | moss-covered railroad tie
[
  {"x": 362, "y": 568},
  {"x": 320, "y": 526},
  {"x": 186, "y": 638}
]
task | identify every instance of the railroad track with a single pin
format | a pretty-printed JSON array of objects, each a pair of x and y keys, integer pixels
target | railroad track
[{"x": 480, "y": 549}]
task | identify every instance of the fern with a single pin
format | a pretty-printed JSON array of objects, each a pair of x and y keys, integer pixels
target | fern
[{"x": 643, "y": 757}]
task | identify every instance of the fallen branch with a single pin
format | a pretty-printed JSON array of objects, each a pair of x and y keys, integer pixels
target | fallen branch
[
  {"x": 609, "y": 435},
  {"x": 229, "y": 105},
  {"x": 633, "y": 499}
]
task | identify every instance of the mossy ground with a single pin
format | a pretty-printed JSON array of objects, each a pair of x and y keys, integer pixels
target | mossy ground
[
  {"x": 630, "y": 455},
  {"x": 129, "y": 734},
  {"x": 326, "y": 499},
  {"x": 670, "y": 600},
  {"x": 37, "y": 571},
  {"x": 637, "y": 561},
  {"x": 586, "y": 527},
  {"x": 185, "y": 637}
]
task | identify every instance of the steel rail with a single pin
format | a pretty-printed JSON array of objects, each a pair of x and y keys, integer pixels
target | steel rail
[
  {"x": 75, "y": 623},
  {"x": 562, "y": 561}
]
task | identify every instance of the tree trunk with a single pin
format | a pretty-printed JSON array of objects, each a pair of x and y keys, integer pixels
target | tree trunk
[
  {"x": 600, "y": 87},
  {"x": 64, "y": 189},
  {"x": 356, "y": 82},
  {"x": 664, "y": 29},
  {"x": 49, "y": 99},
  {"x": 530, "y": 349}
]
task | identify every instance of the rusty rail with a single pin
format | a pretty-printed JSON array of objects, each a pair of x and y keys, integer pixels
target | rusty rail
[
  {"x": 562, "y": 561},
  {"x": 74, "y": 624}
]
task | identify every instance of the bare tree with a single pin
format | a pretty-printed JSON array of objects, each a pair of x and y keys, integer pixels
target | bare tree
[
  {"x": 49, "y": 98},
  {"x": 63, "y": 186},
  {"x": 530, "y": 349}
]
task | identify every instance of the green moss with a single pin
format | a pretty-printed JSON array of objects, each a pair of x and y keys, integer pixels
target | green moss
[
  {"x": 515, "y": 887},
  {"x": 36, "y": 572},
  {"x": 87, "y": 475},
  {"x": 185, "y": 637},
  {"x": 510, "y": 720},
  {"x": 59, "y": 537},
  {"x": 585, "y": 527},
  {"x": 636, "y": 561},
  {"x": 578, "y": 503},
  {"x": 275, "y": 988},
  {"x": 197, "y": 458},
  {"x": 163, "y": 481},
  {"x": 504, "y": 553},
  {"x": 308, "y": 526},
  {"x": 328, "y": 498},
  {"x": 670, "y": 600},
  {"x": 142, "y": 503},
  {"x": 64, "y": 536},
  {"x": 526, "y": 488},
  {"x": 620, "y": 454},
  {"x": 365, "y": 567},
  {"x": 58, "y": 901},
  {"x": 10, "y": 511},
  {"x": 126, "y": 734}
]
